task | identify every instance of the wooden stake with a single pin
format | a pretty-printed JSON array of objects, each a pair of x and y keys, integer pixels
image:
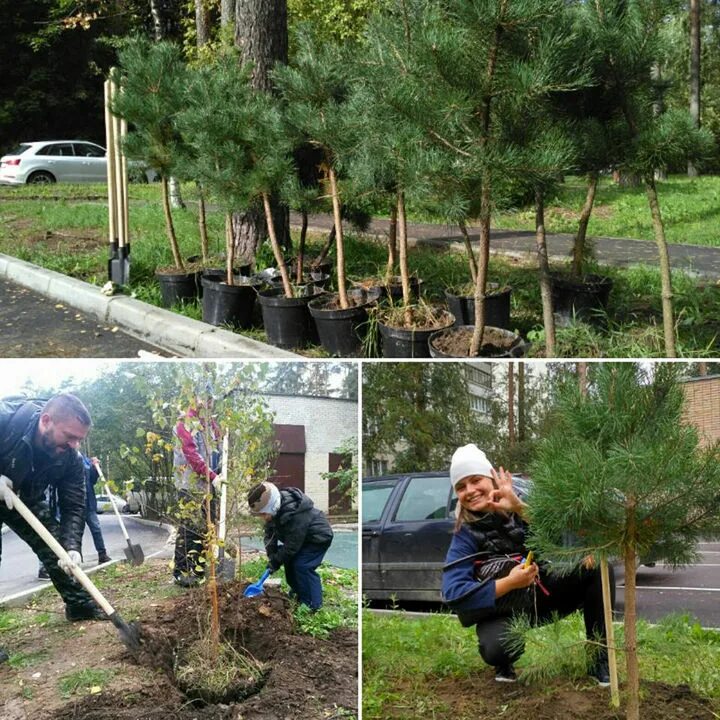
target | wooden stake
[{"x": 609, "y": 633}]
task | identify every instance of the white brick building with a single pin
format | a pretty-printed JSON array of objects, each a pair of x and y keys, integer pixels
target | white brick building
[{"x": 310, "y": 431}]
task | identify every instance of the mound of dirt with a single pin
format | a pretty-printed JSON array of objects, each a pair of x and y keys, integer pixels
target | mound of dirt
[{"x": 305, "y": 677}]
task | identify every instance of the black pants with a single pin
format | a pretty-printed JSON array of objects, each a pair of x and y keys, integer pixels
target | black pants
[
  {"x": 190, "y": 543},
  {"x": 581, "y": 589},
  {"x": 71, "y": 592}
]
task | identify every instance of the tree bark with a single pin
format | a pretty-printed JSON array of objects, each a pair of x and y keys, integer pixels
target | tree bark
[
  {"x": 694, "y": 72},
  {"x": 261, "y": 35},
  {"x": 392, "y": 246},
  {"x": 169, "y": 227},
  {"x": 277, "y": 251},
  {"x": 579, "y": 244},
  {"x": 402, "y": 248},
  {"x": 176, "y": 200},
  {"x": 545, "y": 290},
  {"x": 521, "y": 402},
  {"x": 339, "y": 242},
  {"x": 300, "y": 260},
  {"x": 665, "y": 272},
  {"x": 633, "y": 672},
  {"x": 229, "y": 250},
  {"x": 511, "y": 403},
  {"x": 227, "y": 13},
  {"x": 482, "y": 272},
  {"x": 202, "y": 23},
  {"x": 202, "y": 225}
]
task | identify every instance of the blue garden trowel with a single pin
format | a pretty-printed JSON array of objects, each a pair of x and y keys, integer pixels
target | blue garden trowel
[{"x": 257, "y": 588}]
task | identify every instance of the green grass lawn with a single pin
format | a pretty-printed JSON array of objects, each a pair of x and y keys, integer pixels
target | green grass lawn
[
  {"x": 64, "y": 228},
  {"x": 405, "y": 660}
]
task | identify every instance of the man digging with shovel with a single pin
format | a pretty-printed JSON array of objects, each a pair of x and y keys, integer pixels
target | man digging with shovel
[{"x": 39, "y": 448}]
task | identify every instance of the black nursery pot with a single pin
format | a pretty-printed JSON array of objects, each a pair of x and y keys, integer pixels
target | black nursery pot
[
  {"x": 517, "y": 349},
  {"x": 585, "y": 297},
  {"x": 341, "y": 331},
  {"x": 177, "y": 287},
  {"x": 405, "y": 343},
  {"x": 229, "y": 304},
  {"x": 497, "y": 308},
  {"x": 394, "y": 289},
  {"x": 287, "y": 321}
]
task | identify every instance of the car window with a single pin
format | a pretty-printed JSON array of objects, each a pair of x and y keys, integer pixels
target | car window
[
  {"x": 61, "y": 149},
  {"x": 20, "y": 149},
  {"x": 425, "y": 498},
  {"x": 374, "y": 499},
  {"x": 88, "y": 150}
]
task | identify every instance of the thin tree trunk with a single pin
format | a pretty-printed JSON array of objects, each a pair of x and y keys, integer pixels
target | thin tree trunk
[
  {"x": 609, "y": 632},
  {"x": 202, "y": 23},
  {"x": 511, "y": 403},
  {"x": 229, "y": 250},
  {"x": 301, "y": 249},
  {"x": 694, "y": 71},
  {"x": 227, "y": 13},
  {"x": 326, "y": 247},
  {"x": 176, "y": 200},
  {"x": 277, "y": 251},
  {"x": 665, "y": 272},
  {"x": 658, "y": 109},
  {"x": 169, "y": 227},
  {"x": 402, "y": 248},
  {"x": 339, "y": 242},
  {"x": 633, "y": 672},
  {"x": 545, "y": 289},
  {"x": 579, "y": 244},
  {"x": 202, "y": 225},
  {"x": 469, "y": 251},
  {"x": 521, "y": 401},
  {"x": 392, "y": 246}
]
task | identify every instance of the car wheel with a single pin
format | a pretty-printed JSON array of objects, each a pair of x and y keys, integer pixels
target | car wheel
[{"x": 41, "y": 177}]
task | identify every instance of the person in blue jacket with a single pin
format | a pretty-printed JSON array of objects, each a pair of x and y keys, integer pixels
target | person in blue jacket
[{"x": 486, "y": 581}]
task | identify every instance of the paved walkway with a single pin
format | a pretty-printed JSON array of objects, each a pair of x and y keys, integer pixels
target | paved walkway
[
  {"x": 700, "y": 260},
  {"x": 32, "y": 325}
]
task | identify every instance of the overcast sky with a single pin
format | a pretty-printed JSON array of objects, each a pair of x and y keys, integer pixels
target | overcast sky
[{"x": 14, "y": 373}]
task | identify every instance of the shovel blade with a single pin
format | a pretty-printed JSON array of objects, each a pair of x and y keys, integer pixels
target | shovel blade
[
  {"x": 134, "y": 554},
  {"x": 129, "y": 633}
]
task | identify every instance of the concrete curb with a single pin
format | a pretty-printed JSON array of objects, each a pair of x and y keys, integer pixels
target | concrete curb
[{"x": 163, "y": 328}]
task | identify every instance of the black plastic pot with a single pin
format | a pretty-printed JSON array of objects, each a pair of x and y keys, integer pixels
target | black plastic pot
[
  {"x": 394, "y": 290},
  {"x": 404, "y": 343},
  {"x": 324, "y": 268},
  {"x": 287, "y": 321},
  {"x": 497, "y": 307},
  {"x": 177, "y": 287},
  {"x": 229, "y": 304},
  {"x": 585, "y": 297},
  {"x": 320, "y": 280},
  {"x": 341, "y": 331},
  {"x": 518, "y": 349}
]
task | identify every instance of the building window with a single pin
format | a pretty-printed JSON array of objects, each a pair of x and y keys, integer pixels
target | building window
[
  {"x": 378, "y": 467},
  {"x": 479, "y": 404},
  {"x": 480, "y": 377}
]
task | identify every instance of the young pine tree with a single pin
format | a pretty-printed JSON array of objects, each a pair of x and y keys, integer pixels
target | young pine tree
[{"x": 622, "y": 471}]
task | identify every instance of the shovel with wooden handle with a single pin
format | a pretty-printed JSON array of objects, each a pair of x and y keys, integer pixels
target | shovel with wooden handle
[
  {"x": 226, "y": 565},
  {"x": 129, "y": 632},
  {"x": 133, "y": 553}
]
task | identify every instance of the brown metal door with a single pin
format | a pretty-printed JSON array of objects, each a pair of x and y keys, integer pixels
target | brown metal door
[{"x": 290, "y": 462}]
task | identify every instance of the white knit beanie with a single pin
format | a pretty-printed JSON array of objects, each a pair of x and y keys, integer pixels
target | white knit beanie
[{"x": 469, "y": 460}]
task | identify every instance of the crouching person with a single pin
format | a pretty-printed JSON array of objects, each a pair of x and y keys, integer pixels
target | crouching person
[
  {"x": 297, "y": 536},
  {"x": 487, "y": 583}
]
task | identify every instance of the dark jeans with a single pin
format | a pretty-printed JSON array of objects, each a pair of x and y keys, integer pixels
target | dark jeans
[
  {"x": 93, "y": 523},
  {"x": 71, "y": 592},
  {"x": 301, "y": 575},
  {"x": 191, "y": 519},
  {"x": 581, "y": 589}
]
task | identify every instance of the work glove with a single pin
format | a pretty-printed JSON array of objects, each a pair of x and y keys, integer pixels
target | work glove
[
  {"x": 217, "y": 483},
  {"x": 75, "y": 559},
  {"x": 5, "y": 486}
]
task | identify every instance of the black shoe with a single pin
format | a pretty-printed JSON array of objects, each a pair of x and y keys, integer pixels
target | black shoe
[
  {"x": 103, "y": 557},
  {"x": 43, "y": 574},
  {"x": 599, "y": 670},
  {"x": 87, "y": 611},
  {"x": 4, "y": 656},
  {"x": 186, "y": 581},
  {"x": 505, "y": 673}
]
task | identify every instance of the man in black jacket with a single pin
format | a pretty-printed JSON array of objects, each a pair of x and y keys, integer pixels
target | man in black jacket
[
  {"x": 297, "y": 536},
  {"x": 39, "y": 449}
]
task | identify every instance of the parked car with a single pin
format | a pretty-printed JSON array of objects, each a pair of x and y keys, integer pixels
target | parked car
[
  {"x": 50, "y": 161},
  {"x": 407, "y": 524},
  {"x": 104, "y": 504}
]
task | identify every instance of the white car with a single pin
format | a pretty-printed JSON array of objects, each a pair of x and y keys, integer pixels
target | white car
[
  {"x": 105, "y": 505},
  {"x": 50, "y": 161}
]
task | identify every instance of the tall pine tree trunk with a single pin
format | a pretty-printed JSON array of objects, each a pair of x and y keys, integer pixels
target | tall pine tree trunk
[
  {"x": 665, "y": 272},
  {"x": 261, "y": 35},
  {"x": 694, "y": 71},
  {"x": 202, "y": 23},
  {"x": 227, "y": 13},
  {"x": 511, "y": 403},
  {"x": 579, "y": 244},
  {"x": 545, "y": 290}
]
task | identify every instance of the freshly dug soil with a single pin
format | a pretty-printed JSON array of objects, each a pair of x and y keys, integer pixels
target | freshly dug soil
[
  {"x": 306, "y": 677},
  {"x": 482, "y": 698},
  {"x": 457, "y": 343}
]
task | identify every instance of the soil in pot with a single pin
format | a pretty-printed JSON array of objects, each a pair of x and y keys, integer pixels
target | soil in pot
[
  {"x": 341, "y": 331},
  {"x": 177, "y": 287},
  {"x": 405, "y": 331},
  {"x": 585, "y": 297},
  {"x": 287, "y": 321},
  {"x": 461, "y": 304},
  {"x": 496, "y": 342},
  {"x": 225, "y": 304}
]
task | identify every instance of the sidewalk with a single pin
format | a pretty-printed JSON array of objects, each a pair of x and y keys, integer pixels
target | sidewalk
[{"x": 698, "y": 260}]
